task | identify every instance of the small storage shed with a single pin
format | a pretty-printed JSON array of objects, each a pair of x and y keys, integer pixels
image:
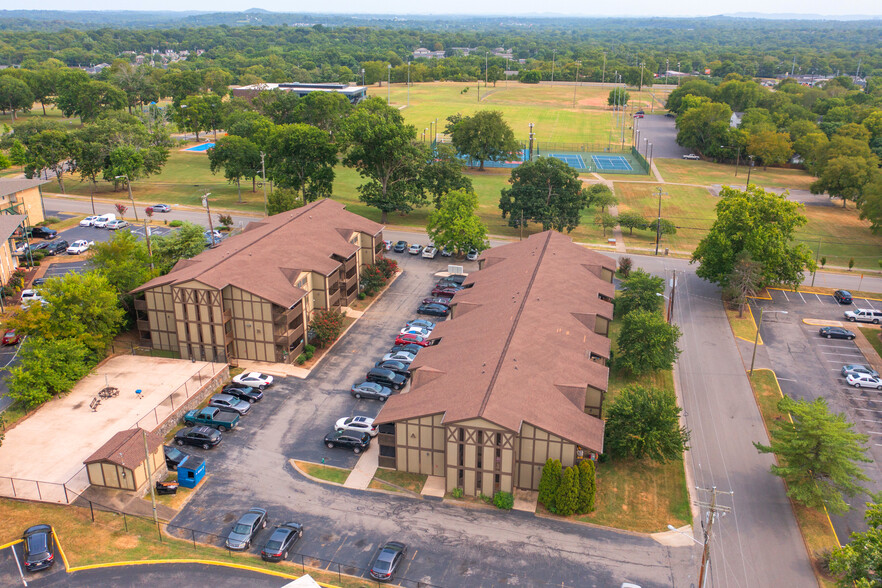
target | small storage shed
[
  {"x": 121, "y": 463},
  {"x": 191, "y": 471}
]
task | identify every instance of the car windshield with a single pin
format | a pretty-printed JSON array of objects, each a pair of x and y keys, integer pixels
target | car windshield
[
  {"x": 242, "y": 529},
  {"x": 173, "y": 453}
]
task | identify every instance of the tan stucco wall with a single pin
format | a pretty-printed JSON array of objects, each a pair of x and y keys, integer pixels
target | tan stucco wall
[
  {"x": 30, "y": 201},
  {"x": 419, "y": 442},
  {"x": 8, "y": 262}
]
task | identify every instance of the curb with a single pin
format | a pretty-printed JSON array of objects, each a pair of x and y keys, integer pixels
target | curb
[
  {"x": 821, "y": 322},
  {"x": 313, "y": 478}
]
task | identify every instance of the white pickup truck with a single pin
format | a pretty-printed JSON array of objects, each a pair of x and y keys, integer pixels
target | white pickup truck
[{"x": 80, "y": 246}]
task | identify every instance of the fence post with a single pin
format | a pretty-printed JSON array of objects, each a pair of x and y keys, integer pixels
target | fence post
[
  {"x": 66, "y": 499},
  {"x": 92, "y": 511},
  {"x": 40, "y": 494},
  {"x": 12, "y": 481},
  {"x": 126, "y": 522},
  {"x": 194, "y": 538}
]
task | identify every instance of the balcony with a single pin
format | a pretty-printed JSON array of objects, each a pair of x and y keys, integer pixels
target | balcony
[
  {"x": 140, "y": 304},
  {"x": 227, "y": 315},
  {"x": 143, "y": 325},
  {"x": 281, "y": 317},
  {"x": 284, "y": 338}
]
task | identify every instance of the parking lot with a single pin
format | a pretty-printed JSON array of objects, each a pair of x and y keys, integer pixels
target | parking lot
[
  {"x": 449, "y": 545},
  {"x": 809, "y": 366}
]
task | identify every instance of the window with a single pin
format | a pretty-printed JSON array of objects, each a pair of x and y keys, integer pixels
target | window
[{"x": 387, "y": 450}]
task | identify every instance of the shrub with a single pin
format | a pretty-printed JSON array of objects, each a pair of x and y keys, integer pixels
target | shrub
[
  {"x": 850, "y": 263},
  {"x": 362, "y": 295},
  {"x": 587, "y": 487},
  {"x": 327, "y": 324},
  {"x": 176, "y": 223},
  {"x": 823, "y": 261},
  {"x": 372, "y": 279},
  {"x": 225, "y": 220},
  {"x": 503, "y": 500},
  {"x": 308, "y": 354},
  {"x": 51, "y": 220},
  {"x": 485, "y": 498},
  {"x": 549, "y": 482},
  {"x": 309, "y": 348},
  {"x": 300, "y": 360},
  {"x": 388, "y": 266},
  {"x": 625, "y": 265},
  {"x": 456, "y": 492},
  {"x": 38, "y": 255}
]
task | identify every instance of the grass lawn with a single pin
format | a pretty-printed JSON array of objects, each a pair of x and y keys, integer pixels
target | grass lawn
[
  {"x": 813, "y": 524},
  {"x": 52, "y": 113},
  {"x": 412, "y": 482},
  {"x": 873, "y": 336},
  {"x": 842, "y": 236},
  {"x": 743, "y": 327},
  {"x": 323, "y": 472},
  {"x": 705, "y": 173},
  {"x": 106, "y": 540}
]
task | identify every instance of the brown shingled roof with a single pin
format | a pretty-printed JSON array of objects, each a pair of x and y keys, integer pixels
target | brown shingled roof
[
  {"x": 126, "y": 448},
  {"x": 524, "y": 350},
  {"x": 263, "y": 259},
  {"x": 12, "y": 185}
]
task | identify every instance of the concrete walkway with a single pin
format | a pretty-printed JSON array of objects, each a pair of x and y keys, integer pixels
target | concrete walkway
[
  {"x": 363, "y": 472},
  {"x": 281, "y": 370},
  {"x": 525, "y": 500},
  {"x": 435, "y": 486}
]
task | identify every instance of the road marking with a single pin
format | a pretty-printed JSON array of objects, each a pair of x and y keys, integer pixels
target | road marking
[
  {"x": 800, "y": 295},
  {"x": 819, "y": 298},
  {"x": 870, "y": 304},
  {"x": 785, "y": 295},
  {"x": 786, "y": 380},
  {"x": 867, "y": 409}
]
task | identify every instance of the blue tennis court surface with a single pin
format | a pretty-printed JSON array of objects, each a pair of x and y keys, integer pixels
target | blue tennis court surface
[
  {"x": 202, "y": 147},
  {"x": 571, "y": 159},
  {"x": 611, "y": 162}
]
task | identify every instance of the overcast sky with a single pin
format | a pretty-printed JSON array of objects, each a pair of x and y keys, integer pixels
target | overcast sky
[{"x": 635, "y": 8}]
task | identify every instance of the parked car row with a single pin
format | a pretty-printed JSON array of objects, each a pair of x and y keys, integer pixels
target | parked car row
[
  {"x": 205, "y": 426},
  {"x": 428, "y": 252},
  {"x": 278, "y": 544},
  {"x": 104, "y": 221},
  {"x": 438, "y": 304}
]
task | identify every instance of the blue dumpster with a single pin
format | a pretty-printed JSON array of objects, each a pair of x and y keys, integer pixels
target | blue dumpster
[{"x": 191, "y": 471}]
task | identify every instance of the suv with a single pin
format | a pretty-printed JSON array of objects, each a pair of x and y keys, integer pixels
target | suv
[
  {"x": 864, "y": 315},
  {"x": 842, "y": 296},
  {"x": 43, "y": 233},
  {"x": 57, "y": 247},
  {"x": 386, "y": 378}
]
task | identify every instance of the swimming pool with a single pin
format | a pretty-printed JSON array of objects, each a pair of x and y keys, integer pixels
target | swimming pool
[{"x": 202, "y": 147}]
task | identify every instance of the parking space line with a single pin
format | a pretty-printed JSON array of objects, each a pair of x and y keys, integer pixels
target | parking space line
[
  {"x": 785, "y": 295},
  {"x": 819, "y": 298},
  {"x": 800, "y": 295},
  {"x": 868, "y": 409},
  {"x": 870, "y": 304},
  {"x": 786, "y": 380}
]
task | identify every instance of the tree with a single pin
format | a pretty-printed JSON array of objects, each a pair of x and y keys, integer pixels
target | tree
[
  {"x": 455, "y": 224},
  {"x": 186, "y": 242},
  {"x": 302, "y": 158},
  {"x": 47, "y": 368},
  {"x": 442, "y": 173},
  {"x": 327, "y": 323},
  {"x": 547, "y": 191},
  {"x": 601, "y": 195},
  {"x": 549, "y": 482},
  {"x": 281, "y": 200},
  {"x": 704, "y": 128},
  {"x": 646, "y": 343},
  {"x": 744, "y": 281},
  {"x": 566, "y": 499},
  {"x": 18, "y": 153},
  {"x": 124, "y": 262},
  {"x": 844, "y": 177},
  {"x": 494, "y": 74},
  {"x": 662, "y": 227},
  {"x": 871, "y": 203},
  {"x": 645, "y": 422},
  {"x": 81, "y": 307},
  {"x": 15, "y": 95},
  {"x": 123, "y": 161},
  {"x": 587, "y": 486},
  {"x": 383, "y": 151},
  {"x": 762, "y": 224},
  {"x": 89, "y": 99},
  {"x": 818, "y": 453},
  {"x": 618, "y": 97},
  {"x": 238, "y": 157},
  {"x": 325, "y": 110},
  {"x": 640, "y": 291},
  {"x": 771, "y": 148},
  {"x": 859, "y": 562},
  {"x": 605, "y": 221},
  {"x": 632, "y": 220},
  {"x": 49, "y": 150},
  {"x": 484, "y": 136}
]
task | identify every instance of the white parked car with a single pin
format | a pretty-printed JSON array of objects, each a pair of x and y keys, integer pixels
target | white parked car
[
  {"x": 473, "y": 254},
  {"x": 89, "y": 221},
  {"x": 387, "y": 245},
  {"x": 863, "y": 381},
  {"x": 101, "y": 221},
  {"x": 254, "y": 379},
  {"x": 402, "y": 356},
  {"x": 691, "y": 156},
  {"x": 362, "y": 424},
  {"x": 29, "y": 296},
  {"x": 430, "y": 252},
  {"x": 80, "y": 246},
  {"x": 421, "y": 331}
]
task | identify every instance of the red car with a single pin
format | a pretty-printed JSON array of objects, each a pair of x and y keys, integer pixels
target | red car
[
  {"x": 445, "y": 292},
  {"x": 439, "y": 300},
  {"x": 10, "y": 337},
  {"x": 411, "y": 338}
]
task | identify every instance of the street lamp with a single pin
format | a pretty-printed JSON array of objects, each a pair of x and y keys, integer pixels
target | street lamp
[
  {"x": 650, "y": 156},
  {"x": 756, "y": 338},
  {"x": 737, "y": 157},
  {"x": 208, "y": 208},
  {"x": 408, "y": 82},
  {"x": 389, "y": 83},
  {"x": 531, "y": 141},
  {"x": 749, "y": 168},
  {"x": 129, "y": 186},
  {"x": 645, "y": 147}
]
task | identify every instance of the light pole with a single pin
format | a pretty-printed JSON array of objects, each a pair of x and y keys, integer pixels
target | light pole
[
  {"x": 362, "y": 76},
  {"x": 131, "y": 199},
  {"x": 208, "y": 208},
  {"x": 650, "y": 156},
  {"x": 645, "y": 148},
  {"x": 388, "y": 83},
  {"x": 486, "y": 57},
  {"x": 575, "y": 87},
  {"x": 408, "y": 82},
  {"x": 263, "y": 175},
  {"x": 553, "y": 51},
  {"x": 603, "y": 73},
  {"x": 749, "y": 168},
  {"x": 756, "y": 338},
  {"x": 658, "y": 220},
  {"x": 737, "y": 156},
  {"x": 531, "y": 141}
]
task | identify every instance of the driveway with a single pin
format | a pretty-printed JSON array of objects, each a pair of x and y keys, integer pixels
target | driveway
[
  {"x": 449, "y": 545},
  {"x": 809, "y": 367}
]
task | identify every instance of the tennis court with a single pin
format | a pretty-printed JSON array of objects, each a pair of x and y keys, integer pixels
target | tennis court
[
  {"x": 611, "y": 162},
  {"x": 571, "y": 159}
]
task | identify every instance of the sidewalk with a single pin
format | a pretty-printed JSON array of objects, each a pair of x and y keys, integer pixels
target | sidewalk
[{"x": 363, "y": 472}]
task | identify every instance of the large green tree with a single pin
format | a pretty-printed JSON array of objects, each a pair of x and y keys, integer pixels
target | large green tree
[
  {"x": 49, "y": 150},
  {"x": 705, "y": 128},
  {"x": 237, "y": 157},
  {"x": 124, "y": 262},
  {"x": 819, "y": 455},
  {"x": 15, "y": 95},
  {"x": 546, "y": 191},
  {"x": 484, "y": 136},
  {"x": 762, "y": 224},
  {"x": 845, "y": 177},
  {"x": 455, "y": 224},
  {"x": 859, "y": 562},
  {"x": 640, "y": 291},
  {"x": 383, "y": 151},
  {"x": 48, "y": 367},
  {"x": 645, "y": 422},
  {"x": 186, "y": 242},
  {"x": 442, "y": 173},
  {"x": 302, "y": 157},
  {"x": 770, "y": 147},
  {"x": 646, "y": 343}
]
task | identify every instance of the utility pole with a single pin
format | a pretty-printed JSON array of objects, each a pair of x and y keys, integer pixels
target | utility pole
[
  {"x": 388, "y": 83},
  {"x": 578, "y": 67},
  {"x": 149, "y": 476},
  {"x": 263, "y": 175},
  {"x": 658, "y": 220},
  {"x": 553, "y": 51},
  {"x": 408, "y": 82},
  {"x": 707, "y": 527},
  {"x": 603, "y": 73},
  {"x": 208, "y": 208},
  {"x": 817, "y": 256},
  {"x": 642, "y": 67}
]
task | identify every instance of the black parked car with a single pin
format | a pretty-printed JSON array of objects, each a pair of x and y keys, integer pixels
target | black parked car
[
  {"x": 371, "y": 390},
  {"x": 836, "y": 333},
  {"x": 433, "y": 309},
  {"x": 411, "y": 348},
  {"x": 353, "y": 440},
  {"x": 386, "y": 378},
  {"x": 399, "y": 367},
  {"x": 56, "y": 247},
  {"x": 281, "y": 541},
  {"x": 39, "y": 548},
  {"x": 842, "y": 296},
  {"x": 243, "y": 392},
  {"x": 174, "y": 457},
  {"x": 400, "y": 247},
  {"x": 201, "y": 436},
  {"x": 388, "y": 560},
  {"x": 43, "y": 233}
]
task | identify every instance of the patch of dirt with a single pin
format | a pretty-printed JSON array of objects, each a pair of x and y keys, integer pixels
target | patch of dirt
[{"x": 126, "y": 542}]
